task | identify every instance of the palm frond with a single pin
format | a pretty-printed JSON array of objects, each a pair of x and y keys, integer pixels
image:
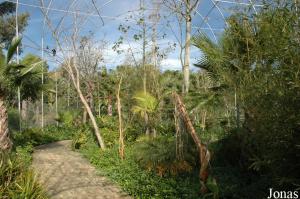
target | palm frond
[
  {"x": 12, "y": 48},
  {"x": 145, "y": 102}
]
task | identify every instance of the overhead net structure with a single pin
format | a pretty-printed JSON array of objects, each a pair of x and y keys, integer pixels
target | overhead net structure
[{"x": 50, "y": 35}]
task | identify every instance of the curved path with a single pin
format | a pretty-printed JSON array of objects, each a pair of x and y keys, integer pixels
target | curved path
[{"x": 66, "y": 174}]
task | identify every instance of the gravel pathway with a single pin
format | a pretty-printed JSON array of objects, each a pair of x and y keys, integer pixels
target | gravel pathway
[{"x": 66, "y": 174}]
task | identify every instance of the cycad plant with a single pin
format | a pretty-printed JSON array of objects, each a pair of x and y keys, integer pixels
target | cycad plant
[
  {"x": 12, "y": 75},
  {"x": 146, "y": 106}
]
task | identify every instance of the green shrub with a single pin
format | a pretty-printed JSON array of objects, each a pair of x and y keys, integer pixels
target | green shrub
[
  {"x": 67, "y": 118},
  {"x": 110, "y": 137},
  {"x": 110, "y": 122},
  {"x": 81, "y": 137},
  {"x": 109, "y": 129}
]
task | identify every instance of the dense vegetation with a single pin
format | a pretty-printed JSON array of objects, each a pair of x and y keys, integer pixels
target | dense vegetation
[{"x": 244, "y": 105}]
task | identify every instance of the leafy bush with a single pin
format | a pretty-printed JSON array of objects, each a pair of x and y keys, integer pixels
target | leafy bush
[
  {"x": 67, "y": 118},
  {"x": 109, "y": 130},
  {"x": 110, "y": 122},
  {"x": 81, "y": 137},
  {"x": 110, "y": 137}
]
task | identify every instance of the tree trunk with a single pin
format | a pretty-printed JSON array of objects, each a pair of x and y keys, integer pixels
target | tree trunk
[
  {"x": 186, "y": 66},
  {"x": 154, "y": 133},
  {"x": 5, "y": 142},
  {"x": 91, "y": 116},
  {"x": 121, "y": 137},
  {"x": 24, "y": 110},
  {"x": 204, "y": 153}
]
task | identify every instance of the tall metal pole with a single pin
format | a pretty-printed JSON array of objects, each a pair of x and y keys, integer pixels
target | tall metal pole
[
  {"x": 18, "y": 61},
  {"x": 56, "y": 96},
  {"x": 42, "y": 100}
]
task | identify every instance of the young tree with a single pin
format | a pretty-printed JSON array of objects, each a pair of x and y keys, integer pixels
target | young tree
[
  {"x": 121, "y": 130},
  {"x": 67, "y": 41},
  {"x": 90, "y": 55},
  {"x": 184, "y": 10}
]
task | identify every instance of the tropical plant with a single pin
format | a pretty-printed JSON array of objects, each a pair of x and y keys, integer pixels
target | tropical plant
[
  {"x": 12, "y": 75},
  {"x": 159, "y": 155},
  {"x": 146, "y": 106},
  {"x": 256, "y": 59},
  {"x": 17, "y": 181}
]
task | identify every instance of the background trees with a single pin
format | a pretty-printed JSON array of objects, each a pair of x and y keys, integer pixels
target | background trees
[{"x": 7, "y": 20}]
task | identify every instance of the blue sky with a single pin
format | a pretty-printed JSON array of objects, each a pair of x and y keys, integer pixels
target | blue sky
[{"x": 115, "y": 12}]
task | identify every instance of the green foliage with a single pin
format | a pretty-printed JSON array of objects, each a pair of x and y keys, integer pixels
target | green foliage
[
  {"x": 8, "y": 22},
  {"x": 12, "y": 48},
  {"x": 110, "y": 137},
  {"x": 16, "y": 179},
  {"x": 26, "y": 75},
  {"x": 80, "y": 138},
  {"x": 136, "y": 181},
  {"x": 212, "y": 185},
  {"x": 37, "y": 136},
  {"x": 159, "y": 155},
  {"x": 109, "y": 130},
  {"x": 67, "y": 118},
  {"x": 257, "y": 59},
  {"x": 110, "y": 122},
  {"x": 7, "y": 8},
  {"x": 13, "y": 119},
  {"x": 145, "y": 103},
  {"x": 31, "y": 86}
]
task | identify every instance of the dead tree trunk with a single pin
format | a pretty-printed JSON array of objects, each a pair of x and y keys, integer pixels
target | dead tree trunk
[
  {"x": 121, "y": 137},
  {"x": 179, "y": 141},
  {"x": 204, "y": 154}
]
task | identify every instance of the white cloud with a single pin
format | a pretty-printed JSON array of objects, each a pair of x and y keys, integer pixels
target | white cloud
[{"x": 171, "y": 64}]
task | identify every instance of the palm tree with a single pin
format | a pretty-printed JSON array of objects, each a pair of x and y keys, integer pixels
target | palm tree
[
  {"x": 224, "y": 69},
  {"x": 12, "y": 75}
]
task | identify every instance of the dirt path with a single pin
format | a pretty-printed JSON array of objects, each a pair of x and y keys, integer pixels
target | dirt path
[{"x": 66, "y": 174}]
